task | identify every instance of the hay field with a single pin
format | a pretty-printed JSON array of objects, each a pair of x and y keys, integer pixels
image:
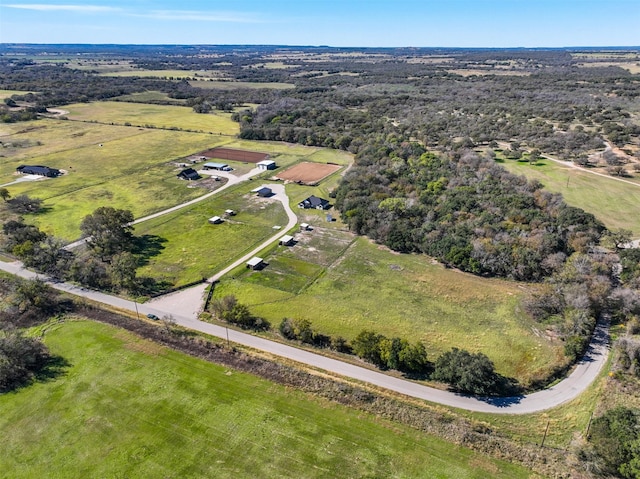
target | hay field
[{"x": 157, "y": 116}]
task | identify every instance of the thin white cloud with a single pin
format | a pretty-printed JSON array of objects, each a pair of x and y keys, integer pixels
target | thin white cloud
[
  {"x": 203, "y": 16},
  {"x": 67, "y": 8}
]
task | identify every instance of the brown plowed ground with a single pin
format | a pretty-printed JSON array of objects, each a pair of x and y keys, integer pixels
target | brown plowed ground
[
  {"x": 307, "y": 172},
  {"x": 235, "y": 155}
]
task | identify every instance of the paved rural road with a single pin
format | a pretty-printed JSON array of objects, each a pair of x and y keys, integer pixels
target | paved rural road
[{"x": 582, "y": 376}]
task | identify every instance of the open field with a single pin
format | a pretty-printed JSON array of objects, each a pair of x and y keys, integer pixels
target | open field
[
  {"x": 130, "y": 170},
  {"x": 149, "y": 97},
  {"x": 307, "y": 172},
  {"x": 124, "y": 71},
  {"x": 157, "y": 116},
  {"x": 233, "y": 85},
  {"x": 196, "y": 249},
  {"x": 8, "y": 93},
  {"x": 126, "y": 407},
  {"x": 235, "y": 155},
  {"x": 613, "y": 202},
  {"x": 344, "y": 287},
  {"x": 630, "y": 66}
]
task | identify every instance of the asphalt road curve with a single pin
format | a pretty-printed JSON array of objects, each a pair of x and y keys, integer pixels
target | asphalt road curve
[{"x": 583, "y": 374}]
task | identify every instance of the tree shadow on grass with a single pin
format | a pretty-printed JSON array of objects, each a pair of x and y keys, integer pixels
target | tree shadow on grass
[
  {"x": 50, "y": 369},
  {"x": 53, "y": 368},
  {"x": 147, "y": 246},
  {"x": 147, "y": 286}
]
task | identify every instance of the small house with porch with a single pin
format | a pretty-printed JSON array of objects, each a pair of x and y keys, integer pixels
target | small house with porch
[
  {"x": 313, "y": 202},
  {"x": 189, "y": 174}
]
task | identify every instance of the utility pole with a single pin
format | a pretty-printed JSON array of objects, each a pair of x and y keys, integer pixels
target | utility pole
[
  {"x": 228, "y": 345},
  {"x": 137, "y": 313}
]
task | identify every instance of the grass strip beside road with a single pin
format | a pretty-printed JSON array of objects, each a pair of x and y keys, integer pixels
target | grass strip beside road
[{"x": 127, "y": 406}]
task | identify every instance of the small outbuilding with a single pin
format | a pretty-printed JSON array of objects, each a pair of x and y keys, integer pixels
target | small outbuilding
[
  {"x": 189, "y": 174},
  {"x": 313, "y": 202},
  {"x": 287, "y": 240},
  {"x": 38, "y": 170},
  {"x": 229, "y": 213},
  {"x": 263, "y": 191},
  {"x": 266, "y": 165},
  {"x": 216, "y": 166},
  {"x": 304, "y": 227},
  {"x": 215, "y": 220},
  {"x": 255, "y": 263}
]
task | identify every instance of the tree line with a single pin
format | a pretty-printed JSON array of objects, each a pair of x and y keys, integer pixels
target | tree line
[{"x": 465, "y": 372}]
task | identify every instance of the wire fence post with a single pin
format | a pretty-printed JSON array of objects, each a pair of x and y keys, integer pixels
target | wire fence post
[{"x": 545, "y": 434}]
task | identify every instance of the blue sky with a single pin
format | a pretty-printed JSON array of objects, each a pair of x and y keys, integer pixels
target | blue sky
[{"x": 366, "y": 23}]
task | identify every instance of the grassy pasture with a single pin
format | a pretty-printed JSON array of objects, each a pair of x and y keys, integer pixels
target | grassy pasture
[
  {"x": 159, "y": 116},
  {"x": 613, "y": 202},
  {"x": 149, "y": 97},
  {"x": 126, "y": 407},
  {"x": 8, "y": 93},
  {"x": 369, "y": 287},
  {"x": 233, "y": 85},
  {"x": 197, "y": 249},
  {"x": 272, "y": 65},
  {"x": 101, "y": 66},
  {"x": 129, "y": 172},
  {"x": 165, "y": 74}
]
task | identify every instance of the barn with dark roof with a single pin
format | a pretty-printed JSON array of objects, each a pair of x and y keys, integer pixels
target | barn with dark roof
[{"x": 38, "y": 170}]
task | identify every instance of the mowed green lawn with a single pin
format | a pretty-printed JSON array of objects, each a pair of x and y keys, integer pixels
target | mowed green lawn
[
  {"x": 613, "y": 202},
  {"x": 158, "y": 116},
  {"x": 126, "y": 407},
  {"x": 196, "y": 249},
  {"x": 344, "y": 285}
]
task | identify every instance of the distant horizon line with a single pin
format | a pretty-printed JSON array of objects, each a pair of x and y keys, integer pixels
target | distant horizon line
[{"x": 275, "y": 45}]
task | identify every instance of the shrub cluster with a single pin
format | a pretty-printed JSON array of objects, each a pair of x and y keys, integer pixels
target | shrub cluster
[
  {"x": 301, "y": 330},
  {"x": 21, "y": 359},
  {"x": 230, "y": 310},
  {"x": 614, "y": 443},
  {"x": 392, "y": 353}
]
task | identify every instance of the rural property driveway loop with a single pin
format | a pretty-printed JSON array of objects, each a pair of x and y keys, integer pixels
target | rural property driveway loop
[
  {"x": 189, "y": 301},
  {"x": 571, "y": 387},
  {"x": 232, "y": 180}
]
